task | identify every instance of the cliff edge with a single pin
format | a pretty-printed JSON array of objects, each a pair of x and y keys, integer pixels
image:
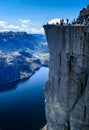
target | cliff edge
[{"x": 67, "y": 91}]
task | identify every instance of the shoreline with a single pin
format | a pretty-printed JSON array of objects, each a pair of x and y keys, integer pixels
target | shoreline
[{"x": 24, "y": 78}]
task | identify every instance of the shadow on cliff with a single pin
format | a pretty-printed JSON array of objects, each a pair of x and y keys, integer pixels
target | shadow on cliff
[{"x": 8, "y": 86}]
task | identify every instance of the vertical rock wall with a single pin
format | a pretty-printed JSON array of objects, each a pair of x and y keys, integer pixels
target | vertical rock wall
[{"x": 67, "y": 91}]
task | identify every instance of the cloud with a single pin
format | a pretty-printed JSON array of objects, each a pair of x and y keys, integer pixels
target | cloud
[
  {"x": 56, "y": 21},
  {"x": 34, "y": 30},
  {"x": 24, "y": 26},
  {"x": 3, "y": 24},
  {"x": 31, "y": 30},
  {"x": 25, "y": 21},
  {"x": 4, "y": 30},
  {"x": 11, "y": 27}
]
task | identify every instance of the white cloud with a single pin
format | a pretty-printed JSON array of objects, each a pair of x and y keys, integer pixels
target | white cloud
[
  {"x": 3, "y": 24},
  {"x": 24, "y": 26},
  {"x": 11, "y": 27},
  {"x": 4, "y": 30},
  {"x": 56, "y": 20},
  {"x": 31, "y": 30},
  {"x": 34, "y": 30},
  {"x": 25, "y": 21}
]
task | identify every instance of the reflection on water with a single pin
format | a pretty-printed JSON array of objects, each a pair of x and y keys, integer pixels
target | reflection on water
[
  {"x": 8, "y": 87},
  {"x": 22, "y": 108}
]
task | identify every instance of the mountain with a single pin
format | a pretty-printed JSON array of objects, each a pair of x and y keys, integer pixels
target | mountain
[
  {"x": 21, "y": 54},
  {"x": 18, "y": 41}
]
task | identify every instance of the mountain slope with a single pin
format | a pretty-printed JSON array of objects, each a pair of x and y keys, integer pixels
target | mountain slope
[
  {"x": 21, "y": 54},
  {"x": 16, "y": 41}
]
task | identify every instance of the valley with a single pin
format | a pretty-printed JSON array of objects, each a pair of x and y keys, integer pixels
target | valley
[{"x": 21, "y": 54}]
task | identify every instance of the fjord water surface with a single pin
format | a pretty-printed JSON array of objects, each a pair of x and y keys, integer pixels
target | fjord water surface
[{"x": 22, "y": 107}]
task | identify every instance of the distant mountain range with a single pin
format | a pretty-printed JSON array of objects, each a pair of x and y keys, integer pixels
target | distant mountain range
[
  {"x": 21, "y": 54},
  {"x": 18, "y": 41}
]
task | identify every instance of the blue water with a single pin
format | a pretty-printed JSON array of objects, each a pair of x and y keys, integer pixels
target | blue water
[{"x": 22, "y": 105}]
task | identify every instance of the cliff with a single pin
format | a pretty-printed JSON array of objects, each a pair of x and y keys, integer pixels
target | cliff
[{"x": 67, "y": 91}]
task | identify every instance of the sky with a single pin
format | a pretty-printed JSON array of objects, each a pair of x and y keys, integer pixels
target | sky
[{"x": 31, "y": 15}]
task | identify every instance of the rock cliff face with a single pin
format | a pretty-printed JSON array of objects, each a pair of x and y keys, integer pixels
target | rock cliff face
[{"x": 67, "y": 91}]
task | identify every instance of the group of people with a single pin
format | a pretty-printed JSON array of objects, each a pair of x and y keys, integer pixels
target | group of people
[
  {"x": 63, "y": 22},
  {"x": 79, "y": 21},
  {"x": 84, "y": 21}
]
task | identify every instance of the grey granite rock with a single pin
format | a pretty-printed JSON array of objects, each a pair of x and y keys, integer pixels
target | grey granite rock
[{"x": 67, "y": 91}]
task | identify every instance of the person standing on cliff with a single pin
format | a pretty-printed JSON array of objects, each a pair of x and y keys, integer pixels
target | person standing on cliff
[
  {"x": 61, "y": 21},
  {"x": 67, "y": 21}
]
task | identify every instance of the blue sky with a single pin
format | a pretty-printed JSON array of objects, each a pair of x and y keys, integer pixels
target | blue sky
[{"x": 30, "y": 15}]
